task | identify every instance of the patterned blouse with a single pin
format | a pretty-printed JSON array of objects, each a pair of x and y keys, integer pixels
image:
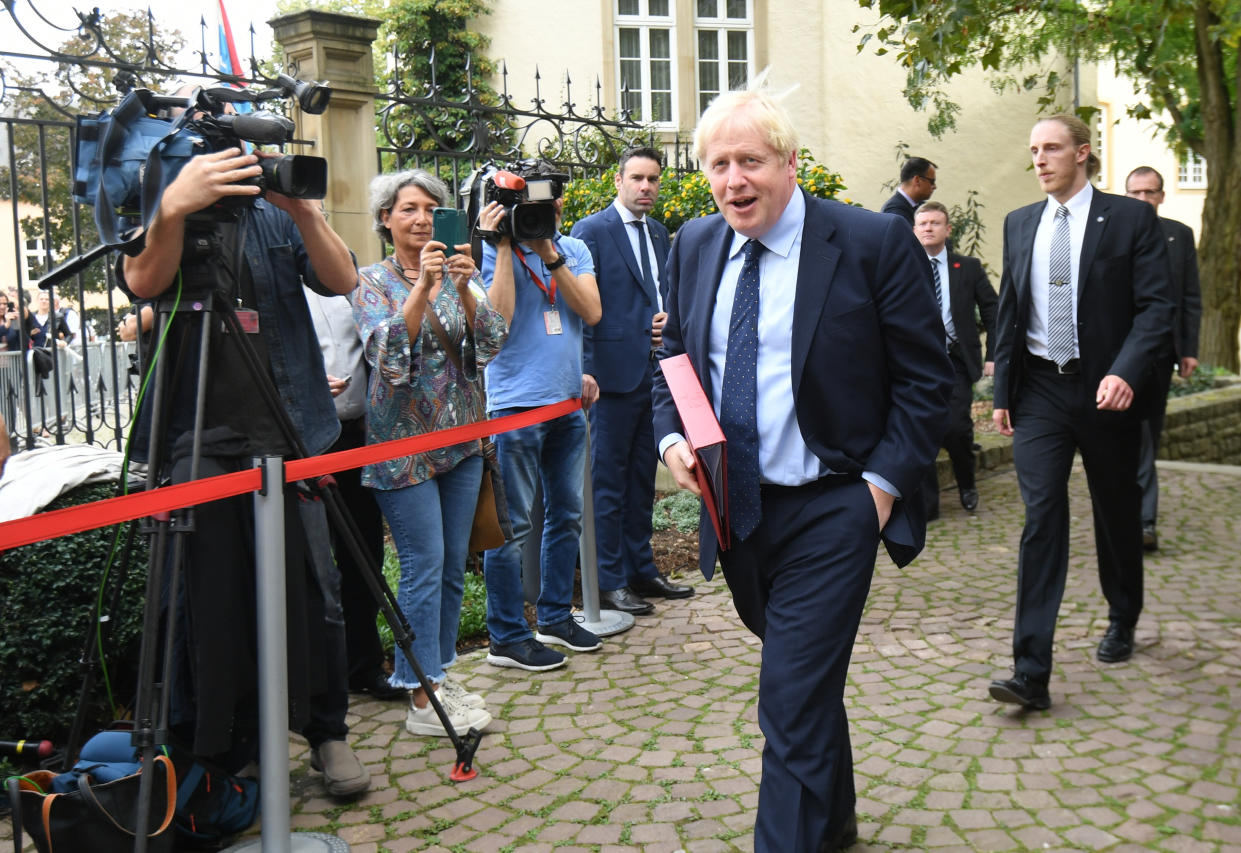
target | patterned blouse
[{"x": 414, "y": 387}]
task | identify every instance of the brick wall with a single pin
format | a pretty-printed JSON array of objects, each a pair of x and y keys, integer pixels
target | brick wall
[{"x": 1204, "y": 427}]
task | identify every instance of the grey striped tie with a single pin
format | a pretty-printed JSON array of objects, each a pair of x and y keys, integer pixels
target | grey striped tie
[{"x": 1060, "y": 338}]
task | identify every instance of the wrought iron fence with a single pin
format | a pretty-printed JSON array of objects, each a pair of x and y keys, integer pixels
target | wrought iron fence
[{"x": 88, "y": 394}]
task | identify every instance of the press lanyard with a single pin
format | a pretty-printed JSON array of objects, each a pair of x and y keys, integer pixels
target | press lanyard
[{"x": 549, "y": 290}]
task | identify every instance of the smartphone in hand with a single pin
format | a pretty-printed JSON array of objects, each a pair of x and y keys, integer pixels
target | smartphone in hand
[{"x": 448, "y": 226}]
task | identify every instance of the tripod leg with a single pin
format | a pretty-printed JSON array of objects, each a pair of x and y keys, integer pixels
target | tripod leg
[{"x": 152, "y": 707}]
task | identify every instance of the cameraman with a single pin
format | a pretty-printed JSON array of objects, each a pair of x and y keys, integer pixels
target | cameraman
[
  {"x": 541, "y": 363},
  {"x": 258, "y": 257}
]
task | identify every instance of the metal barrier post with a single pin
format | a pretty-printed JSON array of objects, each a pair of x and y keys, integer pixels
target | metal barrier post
[
  {"x": 274, "y": 676},
  {"x": 601, "y": 623}
]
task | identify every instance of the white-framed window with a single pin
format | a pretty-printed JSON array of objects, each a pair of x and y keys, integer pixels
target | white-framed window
[
  {"x": 1192, "y": 173},
  {"x": 723, "y": 47},
  {"x": 645, "y": 35},
  {"x": 33, "y": 260}
]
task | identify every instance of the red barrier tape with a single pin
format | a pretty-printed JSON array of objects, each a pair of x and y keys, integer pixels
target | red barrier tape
[{"x": 75, "y": 519}]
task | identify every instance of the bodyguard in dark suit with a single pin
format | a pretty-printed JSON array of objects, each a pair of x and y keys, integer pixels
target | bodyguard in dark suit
[
  {"x": 629, "y": 249},
  {"x": 1085, "y": 315},
  {"x": 917, "y": 185},
  {"x": 1146, "y": 184},
  {"x": 960, "y": 286},
  {"x": 812, "y": 327}
]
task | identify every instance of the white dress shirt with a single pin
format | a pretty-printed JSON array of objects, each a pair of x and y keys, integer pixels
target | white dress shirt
[
  {"x": 342, "y": 349},
  {"x": 1040, "y": 265},
  {"x": 627, "y": 216}
]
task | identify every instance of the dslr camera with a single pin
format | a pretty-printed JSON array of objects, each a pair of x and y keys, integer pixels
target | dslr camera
[{"x": 527, "y": 190}]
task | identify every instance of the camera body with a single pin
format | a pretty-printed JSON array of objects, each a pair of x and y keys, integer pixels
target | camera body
[
  {"x": 528, "y": 191},
  {"x": 125, "y": 157},
  {"x": 294, "y": 175}
]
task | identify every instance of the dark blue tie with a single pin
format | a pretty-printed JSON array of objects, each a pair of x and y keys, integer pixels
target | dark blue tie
[{"x": 739, "y": 399}]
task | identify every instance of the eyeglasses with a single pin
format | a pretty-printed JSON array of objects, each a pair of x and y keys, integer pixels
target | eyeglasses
[{"x": 930, "y": 181}]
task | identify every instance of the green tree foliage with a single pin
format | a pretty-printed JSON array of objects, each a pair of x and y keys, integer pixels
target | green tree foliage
[
  {"x": 42, "y": 152},
  {"x": 1182, "y": 56},
  {"x": 688, "y": 196}
]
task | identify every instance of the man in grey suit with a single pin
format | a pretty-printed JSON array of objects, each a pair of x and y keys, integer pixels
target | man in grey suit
[
  {"x": 1146, "y": 184},
  {"x": 1085, "y": 316},
  {"x": 917, "y": 185}
]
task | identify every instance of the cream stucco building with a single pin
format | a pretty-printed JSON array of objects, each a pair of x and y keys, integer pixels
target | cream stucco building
[{"x": 848, "y": 106}]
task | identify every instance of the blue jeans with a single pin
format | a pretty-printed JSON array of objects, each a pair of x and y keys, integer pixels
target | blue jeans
[
  {"x": 430, "y": 524},
  {"x": 555, "y": 452}
]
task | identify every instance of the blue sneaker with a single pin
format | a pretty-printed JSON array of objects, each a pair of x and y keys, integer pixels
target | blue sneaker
[
  {"x": 569, "y": 634},
  {"x": 528, "y": 654}
]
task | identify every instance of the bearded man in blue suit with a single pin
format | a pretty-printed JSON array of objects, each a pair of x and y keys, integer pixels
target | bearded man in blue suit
[{"x": 813, "y": 328}]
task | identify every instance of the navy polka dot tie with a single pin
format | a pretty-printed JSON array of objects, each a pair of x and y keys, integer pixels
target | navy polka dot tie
[{"x": 739, "y": 400}]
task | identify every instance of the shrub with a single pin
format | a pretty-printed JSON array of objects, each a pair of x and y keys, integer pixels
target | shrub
[
  {"x": 48, "y": 597},
  {"x": 685, "y": 197},
  {"x": 679, "y": 510}
]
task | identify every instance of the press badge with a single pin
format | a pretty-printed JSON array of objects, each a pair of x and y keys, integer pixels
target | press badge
[
  {"x": 248, "y": 320},
  {"x": 551, "y": 319}
]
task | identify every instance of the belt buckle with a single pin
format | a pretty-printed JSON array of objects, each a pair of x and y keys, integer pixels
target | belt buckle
[{"x": 1069, "y": 368}]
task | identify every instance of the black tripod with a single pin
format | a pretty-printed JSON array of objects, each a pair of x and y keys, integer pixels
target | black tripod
[{"x": 208, "y": 304}]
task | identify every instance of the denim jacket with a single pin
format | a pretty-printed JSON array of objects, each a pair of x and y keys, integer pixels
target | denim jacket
[{"x": 278, "y": 264}]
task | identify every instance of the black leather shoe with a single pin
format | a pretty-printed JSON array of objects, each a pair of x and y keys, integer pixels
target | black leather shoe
[
  {"x": 1117, "y": 643},
  {"x": 625, "y": 601},
  {"x": 1022, "y": 690},
  {"x": 969, "y": 499},
  {"x": 1150, "y": 538},
  {"x": 845, "y": 838},
  {"x": 660, "y": 587},
  {"x": 377, "y": 685}
]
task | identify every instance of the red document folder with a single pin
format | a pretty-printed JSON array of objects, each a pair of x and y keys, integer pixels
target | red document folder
[{"x": 705, "y": 438}]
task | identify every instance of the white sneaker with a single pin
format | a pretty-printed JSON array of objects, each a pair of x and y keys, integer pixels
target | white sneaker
[
  {"x": 424, "y": 721},
  {"x": 458, "y": 694}
]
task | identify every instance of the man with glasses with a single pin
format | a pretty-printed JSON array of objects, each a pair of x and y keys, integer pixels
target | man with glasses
[
  {"x": 1146, "y": 184},
  {"x": 917, "y": 185}
]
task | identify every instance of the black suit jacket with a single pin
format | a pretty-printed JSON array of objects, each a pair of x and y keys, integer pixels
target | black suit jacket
[
  {"x": 1186, "y": 292},
  {"x": 1124, "y": 300},
  {"x": 616, "y": 351},
  {"x": 968, "y": 286},
  {"x": 899, "y": 205},
  {"x": 870, "y": 376}
]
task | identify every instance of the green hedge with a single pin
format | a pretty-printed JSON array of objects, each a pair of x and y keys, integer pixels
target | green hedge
[
  {"x": 685, "y": 197},
  {"x": 48, "y": 595}
]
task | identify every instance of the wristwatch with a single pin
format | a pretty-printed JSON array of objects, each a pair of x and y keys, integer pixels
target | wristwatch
[{"x": 556, "y": 264}]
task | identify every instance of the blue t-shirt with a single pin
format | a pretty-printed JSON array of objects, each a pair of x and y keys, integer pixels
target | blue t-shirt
[{"x": 535, "y": 368}]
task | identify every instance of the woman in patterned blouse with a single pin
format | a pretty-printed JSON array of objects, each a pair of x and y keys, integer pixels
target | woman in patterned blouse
[{"x": 416, "y": 387}]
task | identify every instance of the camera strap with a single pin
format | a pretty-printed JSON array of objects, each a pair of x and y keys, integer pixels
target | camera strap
[{"x": 549, "y": 289}]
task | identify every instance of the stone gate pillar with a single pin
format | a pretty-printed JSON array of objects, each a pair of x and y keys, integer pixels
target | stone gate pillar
[{"x": 336, "y": 49}]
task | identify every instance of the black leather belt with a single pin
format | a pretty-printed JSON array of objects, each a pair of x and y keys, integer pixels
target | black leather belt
[{"x": 1072, "y": 367}]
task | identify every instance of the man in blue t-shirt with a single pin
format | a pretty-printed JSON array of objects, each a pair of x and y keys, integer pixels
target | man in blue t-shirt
[{"x": 541, "y": 363}]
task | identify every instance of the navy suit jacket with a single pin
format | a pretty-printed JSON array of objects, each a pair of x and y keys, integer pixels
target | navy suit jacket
[
  {"x": 870, "y": 376},
  {"x": 899, "y": 205},
  {"x": 1124, "y": 301},
  {"x": 616, "y": 351},
  {"x": 1186, "y": 292},
  {"x": 968, "y": 286}
]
